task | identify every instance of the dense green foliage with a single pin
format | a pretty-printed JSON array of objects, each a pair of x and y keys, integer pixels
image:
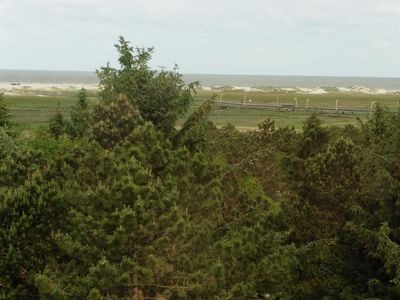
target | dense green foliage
[
  {"x": 115, "y": 202},
  {"x": 79, "y": 116},
  {"x": 4, "y": 114}
]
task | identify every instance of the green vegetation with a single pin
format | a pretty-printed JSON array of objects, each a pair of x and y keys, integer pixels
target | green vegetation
[
  {"x": 33, "y": 111},
  {"x": 4, "y": 113},
  {"x": 347, "y": 100},
  {"x": 248, "y": 119},
  {"x": 114, "y": 200}
]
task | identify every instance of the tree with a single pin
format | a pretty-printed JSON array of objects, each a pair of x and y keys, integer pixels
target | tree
[
  {"x": 161, "y": 97},
  {"x": 313, "y": 137},
  {"x": 195, "y": 132},
  {"x": 29, "y": 214},
  {"x": 113, "y": 120},
  {"x": 82, "y": 99},
  {"x": 4, "y": 113},
  {"x": 57, "y": 124},
  {"x": 79, "y": 116},
  {"x": 142, "y": 227}
]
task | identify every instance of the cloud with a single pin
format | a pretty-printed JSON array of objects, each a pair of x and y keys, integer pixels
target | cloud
[
  {"x": 209, "y": 13},
  {"x": 390, "y": 8},
  {"x": 80, "y": 33},
  {"x": 383, "y": 45}
]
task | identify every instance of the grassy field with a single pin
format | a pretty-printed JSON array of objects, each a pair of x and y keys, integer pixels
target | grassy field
[
  {"x": 347, "y": 100},
  {"x": 33, "y": 110},
  {"x": 249, "y": 119}
]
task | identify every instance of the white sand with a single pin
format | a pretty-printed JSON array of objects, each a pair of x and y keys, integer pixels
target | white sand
[
  {"x": 10, "y": 89},
  {"x": 316, "y": 91},
  {"x": 344, "y": 90},
  {"x": 289, "y": 89},
  {"x": 37, "y": 88}
]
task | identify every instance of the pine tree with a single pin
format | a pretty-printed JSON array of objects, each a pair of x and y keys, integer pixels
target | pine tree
[
  {"x": 113, "y": 121},
  {"x": 161, "y": 97},
  {"x": 80, "y": 116},
  {"x": 82, "y": 99},
  {"x": 57, "y": 124},
  {"x": 313, "y": 138}
]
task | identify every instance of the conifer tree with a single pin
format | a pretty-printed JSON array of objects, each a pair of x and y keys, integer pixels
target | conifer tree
[
  {"x": 313, "y": 138},
  {"x": 161, "y": 97},
  {"x": 57, "y": 124},
  {"x": 82, "y": 99},
  {"x": 113, "y": 120},
  {"x": 79, "y": 116}
]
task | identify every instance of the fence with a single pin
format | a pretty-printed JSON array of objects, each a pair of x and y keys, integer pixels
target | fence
[{"x": 286, "y": 107}]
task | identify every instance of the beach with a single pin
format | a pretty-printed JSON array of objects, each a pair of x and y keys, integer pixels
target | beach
[{"x": 13, "y": 88}]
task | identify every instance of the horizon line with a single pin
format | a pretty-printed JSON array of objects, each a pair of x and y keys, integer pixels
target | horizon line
[{"x": 219, "y": 74}]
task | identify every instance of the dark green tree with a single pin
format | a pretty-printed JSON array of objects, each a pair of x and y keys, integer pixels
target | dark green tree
[
  {"x": 313, "y": 138},
  {"x": 29, "y": 214},
  {"x": 57, "y": 124},
  {"x": 161, "y": 97},
  {"x": 82, "y": 99},
  {"x": 197, "y": 130},
  {"x": 113, "y": 120},
  {"x": 80, "y": 116},
  {"x": 4, "y": 113}
]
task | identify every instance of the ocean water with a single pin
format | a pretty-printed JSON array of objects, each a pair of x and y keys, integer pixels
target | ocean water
[
  {"x": 207, "y": 80},
  {"x": 47, "y": 77},
  {"x": 293, "y": 81}
]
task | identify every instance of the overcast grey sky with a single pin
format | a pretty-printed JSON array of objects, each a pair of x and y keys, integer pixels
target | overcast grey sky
[{"x": 276, "y": 37}]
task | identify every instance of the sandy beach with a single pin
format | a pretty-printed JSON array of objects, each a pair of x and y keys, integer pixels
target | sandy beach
[
  {"x": 68, "y": 88},
  {"x": 42, "y": 88}
]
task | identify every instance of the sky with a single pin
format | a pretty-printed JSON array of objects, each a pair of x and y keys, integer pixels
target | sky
[{"x": 271, "y": 37}]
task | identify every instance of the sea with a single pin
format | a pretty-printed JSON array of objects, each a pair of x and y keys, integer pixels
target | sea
[{"x": 208, "y": 80}]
